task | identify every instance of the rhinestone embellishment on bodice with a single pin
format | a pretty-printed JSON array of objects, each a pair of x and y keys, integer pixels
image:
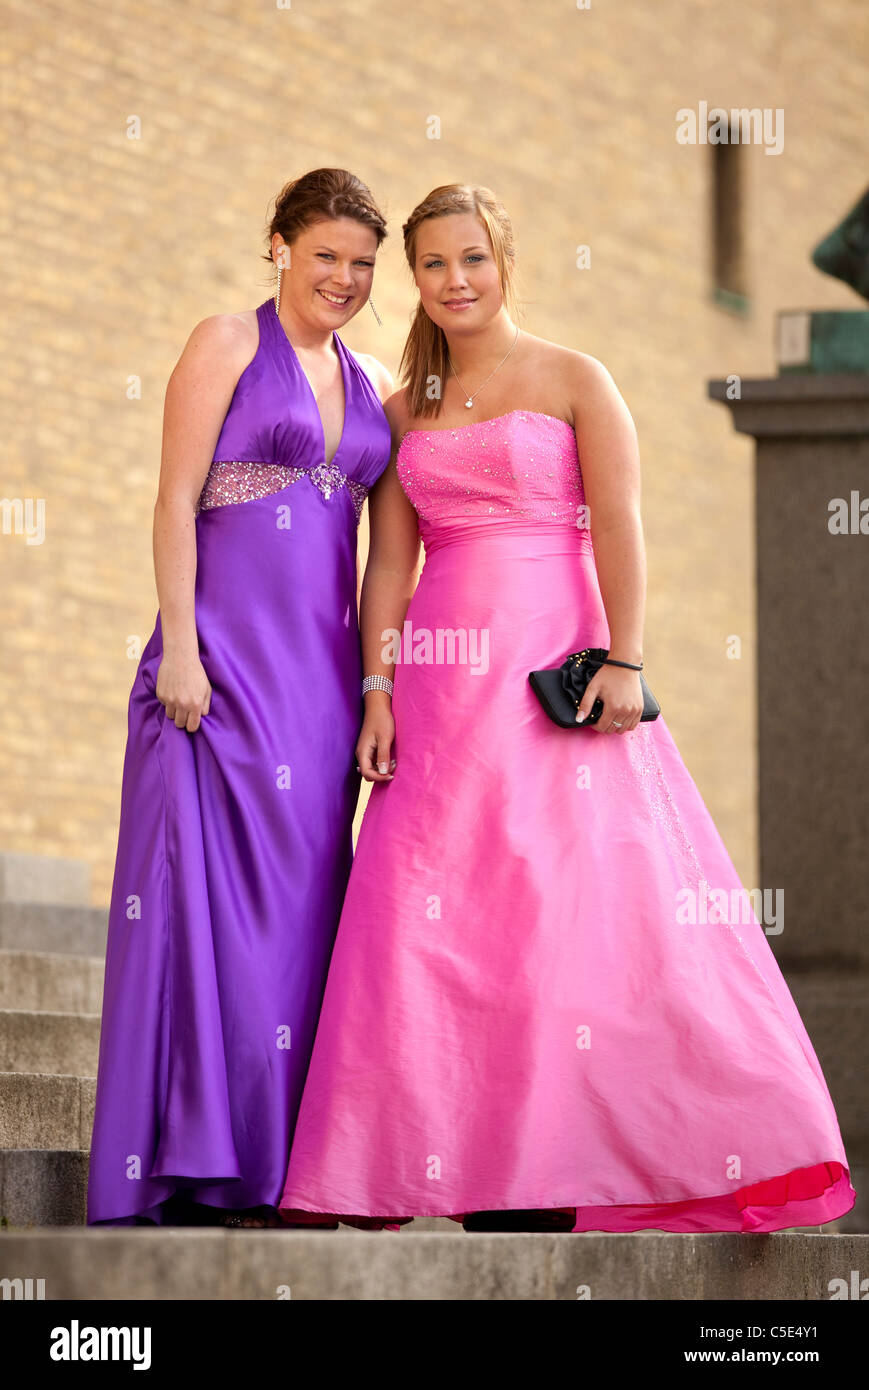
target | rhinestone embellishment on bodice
[
  {"x": 232, "y": 481},
  {"x": 496, "y": 467},
  {"x": 327, "y": 477}
]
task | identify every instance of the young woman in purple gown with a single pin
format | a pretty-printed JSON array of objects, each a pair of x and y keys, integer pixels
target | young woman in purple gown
[{"x": 240, "y": 779}]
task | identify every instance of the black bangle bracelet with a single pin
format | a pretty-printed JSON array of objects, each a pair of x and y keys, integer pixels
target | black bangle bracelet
[{"x": 612, "y": 662}]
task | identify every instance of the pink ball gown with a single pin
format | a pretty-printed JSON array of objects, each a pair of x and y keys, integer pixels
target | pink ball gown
[{"x": 533, "y": 1001}]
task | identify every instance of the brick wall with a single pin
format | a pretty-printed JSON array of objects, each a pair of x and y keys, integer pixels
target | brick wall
[{"x": 115, "y": 247}]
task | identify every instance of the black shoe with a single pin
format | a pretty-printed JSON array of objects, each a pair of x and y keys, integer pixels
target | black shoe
[{"x": 554, "y": 1219}]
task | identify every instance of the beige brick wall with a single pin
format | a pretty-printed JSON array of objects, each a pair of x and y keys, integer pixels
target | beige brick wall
[{"x": 116, "y": 247}]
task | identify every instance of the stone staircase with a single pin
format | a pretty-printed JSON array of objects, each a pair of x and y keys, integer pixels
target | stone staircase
[{"x": 51, "y": 977}]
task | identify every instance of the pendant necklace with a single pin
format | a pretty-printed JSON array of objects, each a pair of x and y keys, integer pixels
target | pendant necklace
[{"x": 470, "y": 401}]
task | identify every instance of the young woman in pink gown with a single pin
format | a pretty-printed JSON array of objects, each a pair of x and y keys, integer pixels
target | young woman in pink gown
[{"x": 535, "y": 1017}]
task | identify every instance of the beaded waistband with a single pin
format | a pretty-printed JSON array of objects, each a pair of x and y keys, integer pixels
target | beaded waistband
[{"x": 232, "y": 481}]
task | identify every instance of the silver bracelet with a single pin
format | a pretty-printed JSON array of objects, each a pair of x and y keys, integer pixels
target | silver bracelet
[{"x": 377, "y": 683}]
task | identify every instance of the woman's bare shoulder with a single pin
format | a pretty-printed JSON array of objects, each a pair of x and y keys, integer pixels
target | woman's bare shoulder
[
  {"x": 567, "y": 364},
  {"x": 379, "y": 376},
  {"x": 231, "y": 339},
  {"x": 398, "y": 412},
  {"x": 586, "y": 385}
]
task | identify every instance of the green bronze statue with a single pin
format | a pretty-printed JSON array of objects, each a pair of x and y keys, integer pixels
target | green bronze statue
[{"x": 844, "y": 252}]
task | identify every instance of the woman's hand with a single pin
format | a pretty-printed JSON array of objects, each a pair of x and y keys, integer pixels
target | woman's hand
[
  {"x": 184, "y": 689},
  {"x": 375, "y": 742},
  {"x": 622, "y": 697}
]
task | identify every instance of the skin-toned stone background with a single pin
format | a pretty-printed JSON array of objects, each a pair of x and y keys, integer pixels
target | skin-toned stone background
[{"x": 115, "y": 247}]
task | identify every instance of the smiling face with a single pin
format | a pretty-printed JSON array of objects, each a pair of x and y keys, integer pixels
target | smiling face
[
  {"x": 328, "y": 271},
  {"x": 456, "y": 272}
]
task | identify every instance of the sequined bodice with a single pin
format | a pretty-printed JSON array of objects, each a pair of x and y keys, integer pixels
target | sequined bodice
[
  {"x": 272, "y": 434},
  {"x": 521, "y": 465}
]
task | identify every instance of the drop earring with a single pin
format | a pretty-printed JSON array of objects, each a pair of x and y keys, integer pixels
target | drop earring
[
  {"x": 375, "y": 313},
  {"x": 278, "y": 290}
]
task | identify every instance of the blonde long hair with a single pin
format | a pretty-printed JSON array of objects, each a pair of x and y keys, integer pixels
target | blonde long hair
[{"x": 425, "y": 352}]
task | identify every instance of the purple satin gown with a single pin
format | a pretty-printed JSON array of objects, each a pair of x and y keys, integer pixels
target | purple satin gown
[{"x": 235, "y": 842}]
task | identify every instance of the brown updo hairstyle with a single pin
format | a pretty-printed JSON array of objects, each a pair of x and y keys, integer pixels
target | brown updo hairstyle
[
  {"x": 319, "y": 196},
  {"x": 425, "y": 352}
]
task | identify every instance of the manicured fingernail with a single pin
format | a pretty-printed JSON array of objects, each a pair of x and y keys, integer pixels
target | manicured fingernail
[
  {"x": 382, "y": 767},
  {"x": 579, "y": 717}
]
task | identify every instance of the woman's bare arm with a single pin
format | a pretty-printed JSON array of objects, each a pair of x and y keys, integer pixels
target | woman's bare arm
[
  {"x": 197, "y": 398},
  {"x": 609, "y": 457},
  {"x": 387, "y": 588}
]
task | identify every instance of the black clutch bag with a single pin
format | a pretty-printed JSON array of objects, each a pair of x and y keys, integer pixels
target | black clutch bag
[{"x": 561, "y": 689}]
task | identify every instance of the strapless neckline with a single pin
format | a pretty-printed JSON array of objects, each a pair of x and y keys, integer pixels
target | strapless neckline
[
  {"x": 510, "y": 466},
  {"x": 492, "y": 420}
]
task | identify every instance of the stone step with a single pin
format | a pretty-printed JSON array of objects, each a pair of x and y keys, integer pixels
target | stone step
[
  {"x": 44, "y": 980},
  {"x": 63, "y": 1044},
  {"x": 39, "y": 1111},
  {"x": 42, "y": 878},
  {"x": 43, "y": 1187},
  {"x": 54, "y": 928},
  {"x": 145, "y": 1263}
]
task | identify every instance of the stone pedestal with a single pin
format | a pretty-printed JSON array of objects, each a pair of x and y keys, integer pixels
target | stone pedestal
[{"x": 812, "y": 448}]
